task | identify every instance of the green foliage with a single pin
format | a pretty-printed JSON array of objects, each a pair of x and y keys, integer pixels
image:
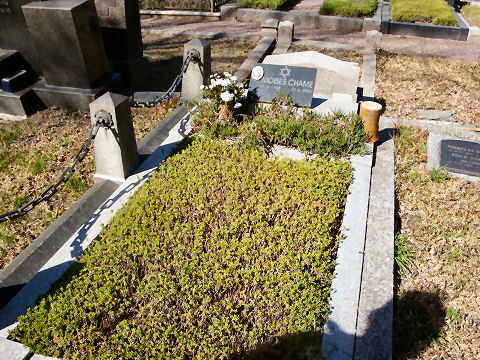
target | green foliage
[
  {"x": 436, "y": 12},
  {"x": 439, "y": 175},
  {"x": 8, "y": 136},
  {"x": 404, "y": 255},
  {"x": 349, "y": 8},
  {"x": 175, "y": 4},
  {"x": 262, "y": 4},
  {"x": 37, "y": 164},
  {"x": 337, "y": 134},
  {"x": 76, "y": 184},
  {"x": 221, "y": 253}
]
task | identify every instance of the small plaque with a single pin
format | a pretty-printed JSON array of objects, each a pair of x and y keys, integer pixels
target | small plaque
[
  {"x": 267, "y": 81},
  {"x": 460, "y": 156}
]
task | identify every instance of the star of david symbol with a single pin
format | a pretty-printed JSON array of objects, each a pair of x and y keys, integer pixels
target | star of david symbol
[{"x": 285, "y": 72}]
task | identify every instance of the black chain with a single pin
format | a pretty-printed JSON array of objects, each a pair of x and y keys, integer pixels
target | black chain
[
  {"x": 103, "y": 120},
  {"x": 192, "y": 55}
]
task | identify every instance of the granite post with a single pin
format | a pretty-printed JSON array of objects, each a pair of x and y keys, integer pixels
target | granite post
[
  {"x": 197, "y": 72},
  {"x": 116, "y": 154}
]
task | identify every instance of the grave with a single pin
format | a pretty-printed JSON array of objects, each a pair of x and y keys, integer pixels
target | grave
[
  {"x": 59, "y": 44},
  {"x": 336, "y": 84},
  {"x": 460, "y": 157}
]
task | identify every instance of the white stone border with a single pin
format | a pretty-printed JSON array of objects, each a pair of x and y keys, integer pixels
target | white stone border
[{"x": 340, "y": 328}]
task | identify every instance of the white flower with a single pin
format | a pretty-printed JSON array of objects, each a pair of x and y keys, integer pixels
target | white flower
[
  {"x": 202, "y": 87},
  {"x": 245, "y": 92},
  {"x": 204, "y": 101},
  {"x": 240, "y": 85},
  {"x": 237, "y": 105},
  {"x": 234, "y": 78},
  {"x": 227, "y": 74},
  {"x": 226, "y": 96},
  {"x": 224, "y": 82}
]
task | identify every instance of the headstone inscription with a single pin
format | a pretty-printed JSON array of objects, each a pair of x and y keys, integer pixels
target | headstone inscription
[
  {"x": 267, "y": 81},
  {"x": 460, "y": 156}
]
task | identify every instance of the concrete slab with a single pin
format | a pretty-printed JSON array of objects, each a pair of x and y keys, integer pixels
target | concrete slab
[
  {"x": 375, "y": 308},
  {"x": 333, "y": 75},
  {"x": 369, "y": 68},
  {"x": 11, "y": 350},
  {"x": 435, "y": 114},
  {"x": 339, "y": 331},
  {"x": 256, "y": 56}
]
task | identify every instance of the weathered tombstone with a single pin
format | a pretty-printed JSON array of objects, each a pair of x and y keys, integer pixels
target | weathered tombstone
[
  {"x": 116, "y": 154},
  {"x": 197, "y": 73},
  {"x": 267, "y": 81},
  {"x": 460, "y": 157}
]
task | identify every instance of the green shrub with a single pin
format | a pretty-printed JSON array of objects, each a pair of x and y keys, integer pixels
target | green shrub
[
  {"x": 349, "y": 8},
  {"x": 436, "y": 12},
  {"x": 334, "y": 135},
  {"x": 262, "y": 4},
  {"x": 221, "y": 253}
]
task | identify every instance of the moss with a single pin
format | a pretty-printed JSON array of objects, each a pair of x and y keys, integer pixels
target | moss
[{"x": 220, "y": 254}]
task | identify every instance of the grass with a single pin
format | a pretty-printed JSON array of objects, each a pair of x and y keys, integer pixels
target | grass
[
  {"x": 33, "y": 153},
  {"x": 202, "y": 264},
  {"x": 344, "y": 55},
  {"x": 471, "y": 14},
  {"x": 263, "y": 4},
  {"x": 164, "y": 56},
  {"x": 348, "y": 8},
  {"x": 411, "y": 83},
  {"x": 436, "y": 312},
  {"x": 436, "y": 12},
  {"x": 176, "y": 4}
]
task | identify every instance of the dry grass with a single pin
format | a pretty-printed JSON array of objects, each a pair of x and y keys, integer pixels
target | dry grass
[
  {"x": 411, "y": 83},
  {"x": 437, "y": 313},
  {"x": 33, "y": 154},
  {"x": 165, "y": 57},
  {"x": 471, "y": 14},
  {"x": 344, "y": 55}
]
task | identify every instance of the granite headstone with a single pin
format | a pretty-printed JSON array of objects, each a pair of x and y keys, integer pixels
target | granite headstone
[
  {"x": 460, "y": 156},
  {"x": 268, "y": 81}
]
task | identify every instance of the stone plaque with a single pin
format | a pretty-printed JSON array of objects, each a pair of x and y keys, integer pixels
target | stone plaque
[
  {"x": 460, "y": 156},
  {"x": 267, "y": 81}
]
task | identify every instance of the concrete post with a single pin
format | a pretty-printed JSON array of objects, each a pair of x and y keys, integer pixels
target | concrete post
[
  {"x": 285, "y": 32},
  {"x": 197, "y": 73},
  {"x": 116, "y": 152}
]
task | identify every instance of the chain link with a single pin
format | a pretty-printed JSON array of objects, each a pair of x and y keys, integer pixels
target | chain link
[
  {"x": 63, "y": 178},
  {"x": 102, "y": 120},
  {"x": 192, "y": 55}
]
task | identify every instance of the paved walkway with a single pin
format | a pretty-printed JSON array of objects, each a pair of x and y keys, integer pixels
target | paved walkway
[{"x": 409, "y": 45}]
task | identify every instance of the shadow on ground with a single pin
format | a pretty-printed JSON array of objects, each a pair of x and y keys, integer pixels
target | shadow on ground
[{"x": 418, "y": 320}]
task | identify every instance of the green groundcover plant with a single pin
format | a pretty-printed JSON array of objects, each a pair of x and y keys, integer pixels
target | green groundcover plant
[
  {"x": 262, "y": 4},
  {"x": 349, "y": 8},
  {"x": 436, "y": 12},
  {"x": 222, "y": 254},
  {"x": 223, "y": 115}
]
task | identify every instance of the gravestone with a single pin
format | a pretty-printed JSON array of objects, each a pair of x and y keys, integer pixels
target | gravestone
[
  {"x": 459, "y": 156},
  {"x": 336, "y": 84},
  {"x": 267, "y": 81},
  {"x": 333, "y": 75},
  {"x": 121, "y": 32}
]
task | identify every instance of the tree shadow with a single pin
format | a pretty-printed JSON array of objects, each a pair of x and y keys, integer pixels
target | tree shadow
[{"x": 418, "y": 320}]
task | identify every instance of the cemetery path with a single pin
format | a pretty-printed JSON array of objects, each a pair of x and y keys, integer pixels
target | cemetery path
[{"x": 408, "y": 45}]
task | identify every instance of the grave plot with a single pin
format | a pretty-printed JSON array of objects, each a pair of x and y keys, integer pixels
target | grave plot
[
  {"x": 471, "y": 14},
  {"x": 437, "y": 12},
  {"x": 344, "y": 55},
  {"x": 223, "y": 254},
  {"x": 356, "y": 8},
  {"x": 408, "y": 84},
  {"x": 437, "y": 251}
]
